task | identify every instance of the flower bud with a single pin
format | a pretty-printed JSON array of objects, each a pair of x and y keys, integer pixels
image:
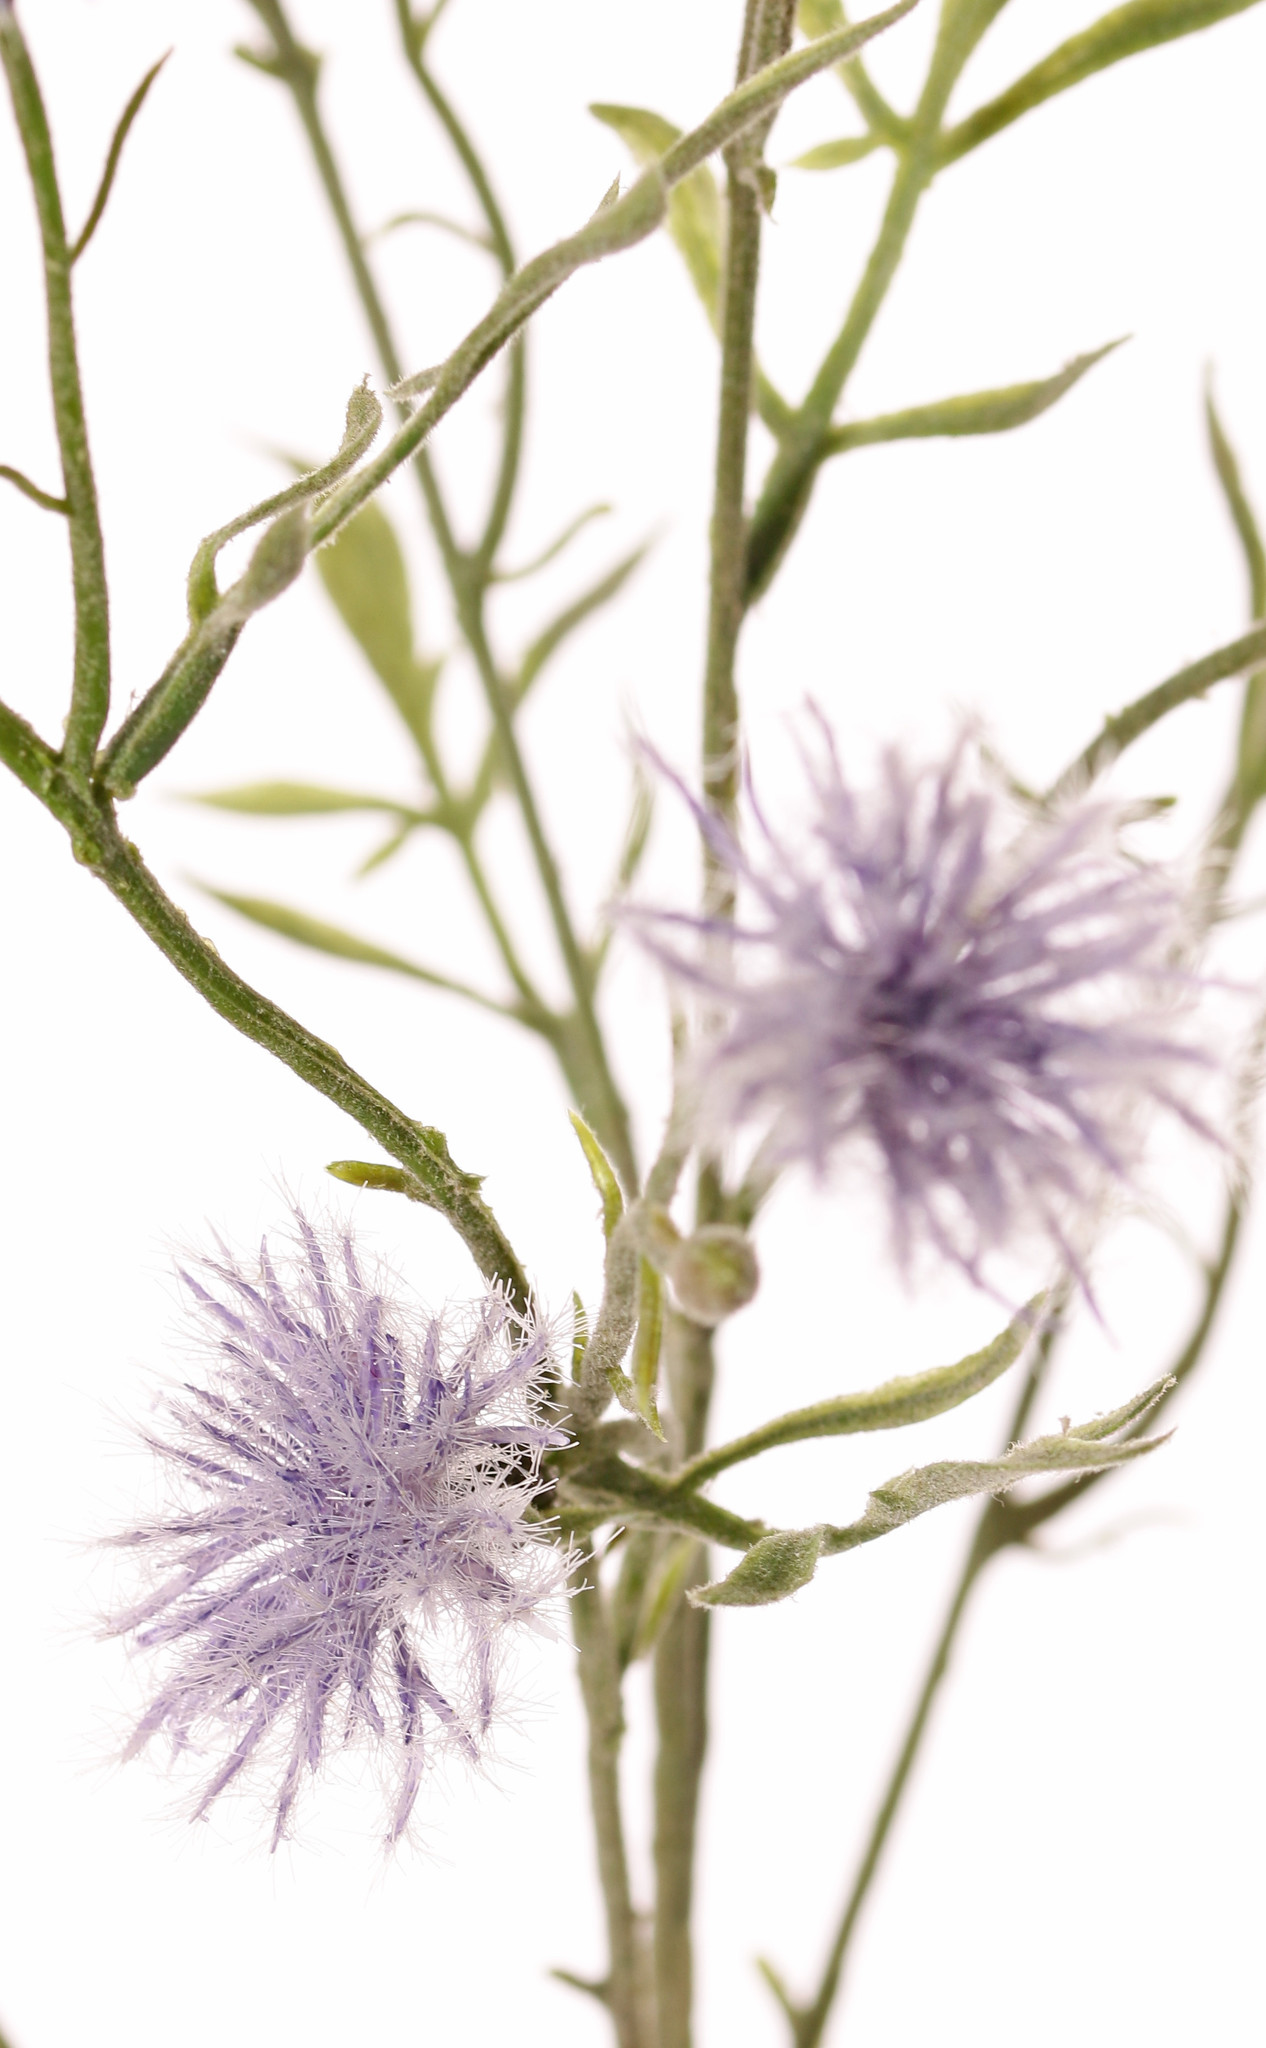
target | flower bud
[{"x": 713, "y": 1273}]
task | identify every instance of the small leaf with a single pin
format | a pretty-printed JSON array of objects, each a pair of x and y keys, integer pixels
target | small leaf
[
  {"x": 298, "y": 800},
  {"x": 772, "y": 1569},
  {"x": 368, "y": 1173},
  {"x": 896, "y": 1404},
  {"x": 591, "y": 600},
  {"x": 344, "y": 945},
  {"x": 832, "y": 156},
  {"x": 694, "y": 206},
  {"x": 603, "y": 1173},
  {"x": 1140, "y": 25},
  {"x": 976, "y": 412},
  {"x": 1085, "y": 1449},
  {"x": 364, "y": 574},
  {"x": 580, "y": 1333},
  {"x": 662, "y": 1593}
]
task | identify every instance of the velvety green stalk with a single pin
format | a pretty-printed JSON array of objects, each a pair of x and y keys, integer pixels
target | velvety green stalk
[
  {"x": 625, "y": 1992},
  {"x": 90, "y": 693},
  {"x": 681, "y": 1658},
  {"x": 99, "y": 845}
]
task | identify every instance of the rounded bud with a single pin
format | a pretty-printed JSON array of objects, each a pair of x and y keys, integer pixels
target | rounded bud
[{"x": 714, "y": 1273}]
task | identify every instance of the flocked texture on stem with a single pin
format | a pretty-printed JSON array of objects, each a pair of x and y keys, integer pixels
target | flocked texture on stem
[
  {"x": 346, "y": 1546},
  {"x": 980, "y": 1001}
]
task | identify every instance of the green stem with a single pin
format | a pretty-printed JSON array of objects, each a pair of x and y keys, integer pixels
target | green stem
[
  {"x": 90, "y": 693},
  {"x": 808, "y": 2022},
  {"x": 624, "y": 1991},
  {"x": 681, "y": 1711},
  {"x": 499, "y": 237},
  {"x": 467, "y": 576},
  {"x": 1002, "y": 1524},
  {"x": 789, "y": 484},
  {"x": 1121, "y": 730},
  {"x": 99, "y": 845}
]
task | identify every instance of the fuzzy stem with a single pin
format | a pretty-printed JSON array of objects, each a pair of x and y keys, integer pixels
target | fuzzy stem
[
  {"x": 681, "y": 1711},
  {"x": 90, "y": 691},
  {"x": 681, "y": 1659},
  {"x": 98, "y": 844},
  {"x": 624, "y": 1991},
  {"x": 468, "y": 576}
]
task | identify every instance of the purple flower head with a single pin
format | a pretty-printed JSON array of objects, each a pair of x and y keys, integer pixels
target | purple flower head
[
  {"x": 346, "y": 1543},
  {"x": 980, "y": 998}
]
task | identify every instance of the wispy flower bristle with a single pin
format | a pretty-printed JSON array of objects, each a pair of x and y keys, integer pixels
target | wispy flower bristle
[
  {"x": 347, "y": 1542},
  {"x": 983, "y": 999}
]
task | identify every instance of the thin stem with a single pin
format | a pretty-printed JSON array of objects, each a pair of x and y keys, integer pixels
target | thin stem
[
  {"x": 624, "y": 1991},
  {"x": 467, "y": 576},
  {"x": 681, "y": 1658},
  {"x": 681, "y": 1711},
  {"x": 32, "y": 491},
  {"x": 789, "y": 484},
  {"x": 808, "y": 2022},
  {"x": 1124, "y": 727},
  {"x": 90, "y": 692},
  {"x": 99, "y": 845},
  {"x": 499, "y": 238}
]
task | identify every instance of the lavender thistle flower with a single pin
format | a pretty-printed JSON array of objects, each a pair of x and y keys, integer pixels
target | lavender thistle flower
[
  {"x": 347, "y": 1547},
  {"x": 983, "y": 1000}
]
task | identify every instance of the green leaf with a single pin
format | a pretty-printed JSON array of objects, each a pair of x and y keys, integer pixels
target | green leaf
[
  {"x": 1088, "y": 1448},
  {"x": 368, "y": 1173},
  {"x": 782, "y": 1562},
  {"x": 975, "y": 412},
  {"x": 832, "y": 156},
  {"x": 363, "y": 570},
  {"x": 603, "y": 1174},
  {"x": 581, "y": 608},
  {"x": 662, "y": 1590},
  {"x": 894, "y": 1405},
  {"x": 115, "y": 151},
  {"x": 299, "y": 800},
  {"x": 694, "y": 206},
  {"x": 1140, "y": 25},
  {"x": 331, "y": 938},
  {"x": 1237, "y": 501},
  {"x": 772, "y": 1569}
]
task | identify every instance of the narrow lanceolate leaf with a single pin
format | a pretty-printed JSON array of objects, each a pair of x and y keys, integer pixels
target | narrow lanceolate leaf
[
  {"x": 694, "y": 206},
  {"x": 663, "y": 1586},
  {"x": 782, "y": 1562},
  {"x": 603, "y": 1173},
  {"x": 1091, "y": 1447},
  {"x": 773, "y": 1568},
  {"x": 1140, "y": 25},
  {"x": 370, "y": 1173},
  {"x": 590, "y": 601},
  {"x": 833, "y": 156},
  {"x": 894, "y": 1405},
  {"x": 364, "y": 574},
  {"x": 322, "y": 937},
  {"x": 975, "y": 412},
  {"x": 1239, "y": 507},
  {"x": 299, "y": 800}
]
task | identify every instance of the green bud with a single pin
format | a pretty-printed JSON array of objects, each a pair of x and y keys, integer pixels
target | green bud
[{"x": 713, "y": 1273}]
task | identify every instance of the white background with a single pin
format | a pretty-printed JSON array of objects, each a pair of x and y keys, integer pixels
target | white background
[{"x": 1082, "y": 1855}]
